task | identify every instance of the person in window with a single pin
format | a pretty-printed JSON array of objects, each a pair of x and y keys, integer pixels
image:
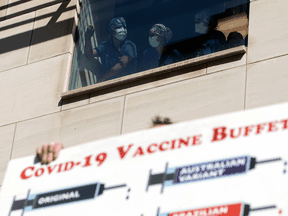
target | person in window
[
  {"x": 155, "y": 56},
  {"x": 118, "y": 55},
  {"x": 214, "y": 40},
  {"x": 235, "y": 39}
]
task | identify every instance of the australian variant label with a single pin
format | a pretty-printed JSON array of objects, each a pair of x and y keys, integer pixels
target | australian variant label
[{"x": 214, "y": 169}]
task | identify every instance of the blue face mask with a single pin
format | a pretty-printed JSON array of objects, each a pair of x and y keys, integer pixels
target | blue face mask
[
  {"x": 121, "y": 33},
  {"x": 153, "y": 41},
  {"x": 201, "y": 27}
]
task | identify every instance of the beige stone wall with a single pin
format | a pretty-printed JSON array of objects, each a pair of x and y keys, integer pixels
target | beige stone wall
[
  {"x": 36, "y": 48},
  {"x": 34, "y": 71}
]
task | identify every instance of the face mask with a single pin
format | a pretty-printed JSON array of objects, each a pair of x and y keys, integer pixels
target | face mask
[
  {"x": 153, "y": 41},
  {"x": 121, "y": 34},
  {"x": 201, "y": 28}
]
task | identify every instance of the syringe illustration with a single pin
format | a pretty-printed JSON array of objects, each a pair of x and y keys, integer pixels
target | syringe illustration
[
  {"x": 57, "y": 197},
  {"x": 205, "y": 171},
  {"x": 235, "y": 209}
]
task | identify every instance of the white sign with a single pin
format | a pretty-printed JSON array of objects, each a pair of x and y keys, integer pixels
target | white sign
[{"x": 228, "y": 165}]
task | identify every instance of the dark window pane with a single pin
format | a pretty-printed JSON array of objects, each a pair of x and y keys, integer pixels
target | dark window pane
[{"x": 123, "y": 37}]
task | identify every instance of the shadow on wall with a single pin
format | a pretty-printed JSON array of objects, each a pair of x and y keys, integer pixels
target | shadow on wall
[{"x": 51, "y": 31}]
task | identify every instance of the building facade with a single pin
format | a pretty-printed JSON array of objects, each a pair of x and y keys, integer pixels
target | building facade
[{"x": 37, "y": 42}]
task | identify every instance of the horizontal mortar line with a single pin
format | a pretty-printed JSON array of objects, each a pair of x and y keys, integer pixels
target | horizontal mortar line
[
  {"x": 226, "y": 69},
  {"x": 48, "y": 37},
  {"x": 54, "y": 56},
  {"x": 166, "y": 84},
  {"x": 33, "y": 9},
  {"x": 5, "y": 125},
  {"x": 158, "y": 71},
  {"x": 274, "y": 57},
  {"x": 161, "y": 85},
  {"x": 14, "y": 4},
  {"x": 89, "y": 102},
  {"x": 16, "y": 122},
  {"x": 26, "y": 64},
  {"x": 82, "y": 105},
  {"x": 36, "y": 19},
  {"x": 131, "y": 93}
]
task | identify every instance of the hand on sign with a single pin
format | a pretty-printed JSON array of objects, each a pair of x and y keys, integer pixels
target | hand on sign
[
  {"x": 48, "y": 152},
  {"x": 159, "y": 121}
]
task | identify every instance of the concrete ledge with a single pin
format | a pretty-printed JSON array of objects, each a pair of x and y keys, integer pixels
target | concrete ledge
[{"x": 153, "y": 72}]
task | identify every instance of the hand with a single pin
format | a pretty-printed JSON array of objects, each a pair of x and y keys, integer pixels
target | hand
[
  {"x": 89, "y": 32},
  {"x": 48, "y": 152}
]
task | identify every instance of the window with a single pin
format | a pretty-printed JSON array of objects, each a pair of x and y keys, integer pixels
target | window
[{"x": 123, "y": 37}]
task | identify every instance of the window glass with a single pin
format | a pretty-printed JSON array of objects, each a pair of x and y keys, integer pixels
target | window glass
[{"x": 117, "y": 38}]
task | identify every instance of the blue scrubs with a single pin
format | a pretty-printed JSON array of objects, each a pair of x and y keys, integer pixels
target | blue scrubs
[
  {"x": 151, "y": 59},
  {"x": 215, "y": 42},
  {"x": 110, "y": 56}
]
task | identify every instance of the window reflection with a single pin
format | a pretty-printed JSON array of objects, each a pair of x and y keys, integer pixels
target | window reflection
[
  {"x": 118, "y": 54},
  {"x": 235, "y": 39},
  {"x": 213, "y": 40},
  {"x": 155, "y": 56},
  {"x": 122, "y": 37}
]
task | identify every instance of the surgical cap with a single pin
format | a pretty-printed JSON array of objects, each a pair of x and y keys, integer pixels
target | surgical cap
[
  {"x": 117, "y": 22},
  {"x": 162, "y": 31}
]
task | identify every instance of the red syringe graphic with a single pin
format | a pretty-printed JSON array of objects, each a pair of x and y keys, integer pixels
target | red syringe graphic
[{"x": 235, "y": 209}]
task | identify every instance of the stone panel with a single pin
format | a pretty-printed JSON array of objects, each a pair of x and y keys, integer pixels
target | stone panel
[
  {"x": 267, "y": 82},
  {"x": 3, "y": 9},
  {"x": 52, "y": 35},
  {"x": 6, "y": 134},
  {"x": 91, "y": 122},
  {"x": 32, "y": 90},
  {"x": 226, "y": 63},
  {"x": 35, "y": 132},
  {"x": 75, "y": 102},
  {"x": 268, "y": 36},
  {"x": 19, "y": 6},
  {"x": 208, "y": 95},
  {"x": 15, "y": 40},
  {"x": 149, "y": 83},
  {"x": 71, "y": 127}
]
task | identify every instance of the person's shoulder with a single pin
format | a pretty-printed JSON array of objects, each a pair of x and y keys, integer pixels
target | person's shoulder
[
  {"x": 101, "y": 45},
  {"x": 105, "y": 44},
  {"x": 218, "y": 34},
  {"x": 128, "y": 42},
  {"x": 150, "y": 51},
  {"x": 128, "y": 47},
  {"x": 175, "y": 52}
]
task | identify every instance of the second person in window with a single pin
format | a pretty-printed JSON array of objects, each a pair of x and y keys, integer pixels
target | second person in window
[{"x": 159, "y": 36}]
